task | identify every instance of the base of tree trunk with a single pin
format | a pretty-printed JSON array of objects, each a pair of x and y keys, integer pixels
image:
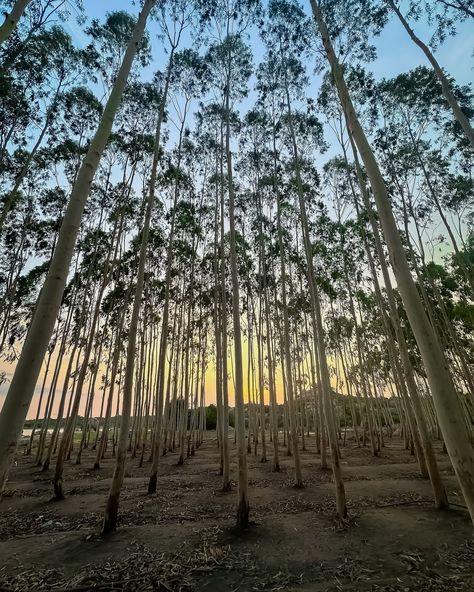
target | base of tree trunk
[
  {"x": 442, "y": 504},
  {"x": 243, "y": 512},
  {"x": 152, "y": 483},
  {"x": 342, "y": 513},
  {"x": 341, "y": 507},
  {"x": 96, "y": 466},
  {"x": 58, "y": 489},
  {"x": 111, "y": 512}
]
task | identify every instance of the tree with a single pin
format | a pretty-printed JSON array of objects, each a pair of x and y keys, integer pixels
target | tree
[
  {"x": 460, "y": 117},
  {"x": 231, "y": 68},
  {"x": 12, "y": 18},
  {"x": 450, "y": 414},
  {"x": 180, "y": 21},
  {"x": 26, "y": 373}
]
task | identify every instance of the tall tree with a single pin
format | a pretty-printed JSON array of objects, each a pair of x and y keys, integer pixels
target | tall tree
[
  {"x": 450, "y": 412},
  {"x": 42, "y": 324}
]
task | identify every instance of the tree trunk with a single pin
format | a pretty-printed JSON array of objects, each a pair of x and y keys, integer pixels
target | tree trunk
[
  {"x": 41, "y": 327},
  {"x": 242, "y": 489},
  {"x": 449, "y": 410},
  {"x": 12, "y": 18}
]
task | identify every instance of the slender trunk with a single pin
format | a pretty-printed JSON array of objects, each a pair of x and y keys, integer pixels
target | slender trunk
[
  {"x": 226, "y": 484},
  {"x": 286, "y": 354},
  {"x": 47, "y": 307},
  {"x": 242, "y": 489},
  {"x": 445, "y": 85},
  {"x": 12, "y": 18},
  {"x": 449, "y": 410},
  {"x": 318, "y": 330}
]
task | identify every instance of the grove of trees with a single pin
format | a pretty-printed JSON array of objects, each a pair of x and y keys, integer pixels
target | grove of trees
[{"x": 261, "y": 220}]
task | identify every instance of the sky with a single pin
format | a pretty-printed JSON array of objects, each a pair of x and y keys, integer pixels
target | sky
[{"x": 395, "y": 54}]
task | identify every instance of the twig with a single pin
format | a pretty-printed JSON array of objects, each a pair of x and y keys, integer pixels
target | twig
[{"x": 406, "y": 503}]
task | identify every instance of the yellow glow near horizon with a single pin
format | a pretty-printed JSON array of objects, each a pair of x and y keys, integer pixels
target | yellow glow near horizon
[{"x": 210, "y": 385}]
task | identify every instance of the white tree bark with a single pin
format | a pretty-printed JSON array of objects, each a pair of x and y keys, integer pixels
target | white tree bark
[
  {"x": 12, "y": 18},
  {"x": 448, "y": 408},
  {"x": 47, "y": 307}
]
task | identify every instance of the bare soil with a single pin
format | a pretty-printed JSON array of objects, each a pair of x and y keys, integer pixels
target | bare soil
[{"x": 183, "y": 538}]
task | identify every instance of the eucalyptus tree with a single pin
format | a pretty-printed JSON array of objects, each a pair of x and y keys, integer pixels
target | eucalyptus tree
[
  {"x": 109, "y": 40},
  {"x": 444, "y": 15},
  {"x": 42, "y": 324},
  {"x": 345, "y": 182},
  {"x": 25, "y": 236},
  {"x": 404, "y": 377},
  {"x": 26, "y": 17},
  {"x": 230, "y": 62},
  {"x": 272, "y": 97},
  {"x": 62, "y": 62},
  {"x": 189, "y": 236},
  {"x": 431, "y": 179},
  {"x": 351, "y": 275},
  {"x": 180, "y": 15},
  {"x": 12, "y": 18},
  {"x": 436, "y": 170},
  {"x": 449, "y": 410},
  {"x": 33, "y": 89},
  {"x": 89, "y": 245},
  {"x": 188, "y": 82},
  {"x": 256, "y": 160},
  {"x": 209, "y": 139},
  {"x": 451, "y": 99},
  {"x": 133, "y": 128},
  {"x": 287, "y": 33}
]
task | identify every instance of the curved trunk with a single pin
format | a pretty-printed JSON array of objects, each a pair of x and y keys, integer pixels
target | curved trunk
[
  {"x": 47, "y": 307},
  {"x": 12, "y": 18},
  {"x": 449, "y": 410},
  {"x": 446, "y": 87}
]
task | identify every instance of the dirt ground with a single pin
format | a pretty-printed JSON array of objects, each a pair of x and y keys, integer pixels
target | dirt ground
[{"x": 183, "y": 537}]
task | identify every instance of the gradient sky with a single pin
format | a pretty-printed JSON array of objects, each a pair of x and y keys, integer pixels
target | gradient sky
[{"x": 396, "y": 54}]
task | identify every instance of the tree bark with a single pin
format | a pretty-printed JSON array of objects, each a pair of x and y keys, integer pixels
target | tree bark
[
  {"x": 12, "y": 18},
  {"x": 446, "y": 87},
  {"x": 449, "y": 410},
  {"x": 41, "y": 327}
]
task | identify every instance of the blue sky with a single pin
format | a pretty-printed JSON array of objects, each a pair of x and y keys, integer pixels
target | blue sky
[{"x": 396, "y": 53}]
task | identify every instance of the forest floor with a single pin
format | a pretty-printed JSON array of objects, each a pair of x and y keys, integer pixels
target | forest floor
[{"x": 182, "y": 538}]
